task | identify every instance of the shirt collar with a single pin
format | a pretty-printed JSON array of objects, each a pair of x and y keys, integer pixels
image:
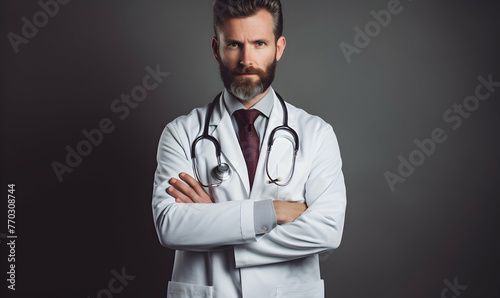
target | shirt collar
[{"x": 265, "y": 105}]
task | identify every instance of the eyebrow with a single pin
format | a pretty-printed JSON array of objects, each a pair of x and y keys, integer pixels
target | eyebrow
[{"x": 230, "y": 40}]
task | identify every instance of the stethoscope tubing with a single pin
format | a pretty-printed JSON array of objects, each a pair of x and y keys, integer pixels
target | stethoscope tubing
[{"x": 206, "y": 136}]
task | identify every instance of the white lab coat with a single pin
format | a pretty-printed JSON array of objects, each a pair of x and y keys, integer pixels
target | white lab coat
[{"x": 217, "y": 251}]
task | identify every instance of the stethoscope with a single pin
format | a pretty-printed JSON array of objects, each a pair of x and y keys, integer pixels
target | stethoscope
[{"x": 222, "y": 171}]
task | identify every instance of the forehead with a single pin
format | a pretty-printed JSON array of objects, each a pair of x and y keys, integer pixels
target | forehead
[{"x": 258, "y": 25}]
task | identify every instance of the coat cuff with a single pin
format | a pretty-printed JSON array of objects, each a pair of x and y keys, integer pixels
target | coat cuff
[
  {"x": 247, "y": 221},
  {"x": 264, "y": 216}
]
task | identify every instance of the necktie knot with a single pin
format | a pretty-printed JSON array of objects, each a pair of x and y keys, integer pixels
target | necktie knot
[{"x": 246, "y": 117}]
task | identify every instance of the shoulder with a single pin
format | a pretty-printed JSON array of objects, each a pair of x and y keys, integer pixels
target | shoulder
[
  {"x": 194, "y": 115},
  {"x": 194, "y": 119},
  {"x": 305, "y": 121},
  {"x": 316, "y": 136},
  {"x": 180, "y": 132}
]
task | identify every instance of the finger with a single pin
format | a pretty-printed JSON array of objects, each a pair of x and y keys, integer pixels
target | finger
[
  {"x": 202, "y": 197},
  {"x": 195, "y": 185},
  {"x": 186, "y": 190},
  {"x": 179, "y": 196}
]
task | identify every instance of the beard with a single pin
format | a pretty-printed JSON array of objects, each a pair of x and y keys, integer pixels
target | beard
[{"x": 246, "y": 88}]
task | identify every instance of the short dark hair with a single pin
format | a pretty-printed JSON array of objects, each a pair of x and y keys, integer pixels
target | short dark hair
[{"x": 245, "y": 8}]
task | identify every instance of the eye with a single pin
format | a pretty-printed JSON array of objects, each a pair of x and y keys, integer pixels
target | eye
[
  {"x": 261, "y": 43},
  {"x": 232, "y": 45}
]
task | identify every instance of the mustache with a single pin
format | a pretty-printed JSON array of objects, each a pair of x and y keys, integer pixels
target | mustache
[{"x": 248, "y": 70}]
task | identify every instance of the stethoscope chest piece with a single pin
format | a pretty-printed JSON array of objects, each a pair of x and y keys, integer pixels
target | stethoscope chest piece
[{"x": 221, "y": 172}]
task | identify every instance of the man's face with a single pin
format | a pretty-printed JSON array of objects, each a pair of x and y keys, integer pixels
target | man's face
[{"x": 247, "y": 53}]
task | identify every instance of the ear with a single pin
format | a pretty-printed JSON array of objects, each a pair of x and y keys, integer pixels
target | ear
[
  {"x": 215, "y": 48},
  {"x": 280, "y": 47}
]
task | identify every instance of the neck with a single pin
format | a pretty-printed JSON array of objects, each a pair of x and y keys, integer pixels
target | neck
[{"x": 251, "y": 102}]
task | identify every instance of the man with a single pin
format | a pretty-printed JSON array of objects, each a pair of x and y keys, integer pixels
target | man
[{"x": 244, "y": 235}]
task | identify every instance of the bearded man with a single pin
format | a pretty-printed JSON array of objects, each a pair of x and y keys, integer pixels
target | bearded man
[{"x": 249, "y": 189}]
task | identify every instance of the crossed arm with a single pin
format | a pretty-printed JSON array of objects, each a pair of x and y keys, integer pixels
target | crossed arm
[
  {"x": 188, "y": 190},
  {"x": 309, "y": 229}
]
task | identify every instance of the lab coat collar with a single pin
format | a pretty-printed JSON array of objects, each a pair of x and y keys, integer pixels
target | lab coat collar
[
  {"x": 221, "y": 128},
  {"x": 265, "y": 105},
  {"x": 260, "y": 180}
]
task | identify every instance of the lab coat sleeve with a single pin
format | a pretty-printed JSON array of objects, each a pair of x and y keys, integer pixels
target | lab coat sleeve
[
  {"x": 320, "y": 227},
  {"x": 195, "y": 227}
]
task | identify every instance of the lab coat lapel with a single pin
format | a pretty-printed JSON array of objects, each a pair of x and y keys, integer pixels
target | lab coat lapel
[
  {"x": 260, "y": 181},
  {"x": 223, "y": 131}
]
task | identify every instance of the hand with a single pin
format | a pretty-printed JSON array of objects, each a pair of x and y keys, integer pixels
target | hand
[
  {"x": 192, "y": 192},
  {"x": 288, "y": 211}
]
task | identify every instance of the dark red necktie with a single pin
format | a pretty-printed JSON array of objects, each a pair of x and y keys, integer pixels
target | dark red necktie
[{"x": 249, "y": 140}]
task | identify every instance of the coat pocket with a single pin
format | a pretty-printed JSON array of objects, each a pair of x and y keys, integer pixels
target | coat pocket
[
  {"x": 182, "y": 290},
  {"x": 315, "y": 289}
]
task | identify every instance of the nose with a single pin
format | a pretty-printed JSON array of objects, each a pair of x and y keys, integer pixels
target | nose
[{"x": 246, "y": 56}]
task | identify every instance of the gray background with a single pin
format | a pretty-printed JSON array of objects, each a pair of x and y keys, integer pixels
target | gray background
[{"x": 440, "y": 224}]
